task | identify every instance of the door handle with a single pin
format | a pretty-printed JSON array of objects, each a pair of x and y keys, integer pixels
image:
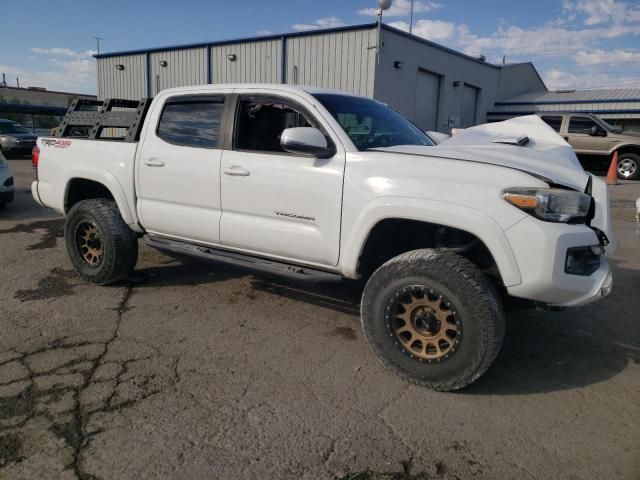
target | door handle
[
  {"x": 153, "y": 162},
  {"x": 237, "y": 171}
]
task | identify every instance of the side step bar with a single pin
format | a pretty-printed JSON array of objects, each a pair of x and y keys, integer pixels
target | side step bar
[{"x": 238, "y": 259}]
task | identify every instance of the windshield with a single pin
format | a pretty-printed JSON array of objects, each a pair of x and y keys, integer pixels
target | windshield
[
  {"x": 371, "y": 124},
  {"x": 10, "y": 127},
  {"x": 608, "y": 126}
]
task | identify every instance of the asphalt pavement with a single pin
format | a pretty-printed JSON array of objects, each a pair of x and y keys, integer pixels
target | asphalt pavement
[{"x": 191, "y": 370}]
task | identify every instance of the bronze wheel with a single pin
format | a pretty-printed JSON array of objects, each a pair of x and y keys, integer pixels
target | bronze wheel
[
  {"x": 433, "y": 318},
  {"x": 424, "y": 324},
  {"x": 89, "y": 243}
]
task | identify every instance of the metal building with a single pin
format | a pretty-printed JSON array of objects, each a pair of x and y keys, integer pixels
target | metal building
[
  {"x": 437, "y": 87},
  {"x": 619, "y": 107},
  {"x": 38, "y": 109}
]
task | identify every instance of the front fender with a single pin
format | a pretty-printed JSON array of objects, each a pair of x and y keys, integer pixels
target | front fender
[
  {"x": 624, "y": 145},
  {"x": 443, "y": 213}
]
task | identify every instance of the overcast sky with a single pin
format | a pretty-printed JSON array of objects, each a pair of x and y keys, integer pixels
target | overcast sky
[{"x": 573, "y": 43}]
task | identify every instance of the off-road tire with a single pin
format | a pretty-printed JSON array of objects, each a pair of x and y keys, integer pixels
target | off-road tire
[
  {"x": 119, "y": 242},
  {"x": 471, "y": 294},
  {"x": 626, "y": 157}
]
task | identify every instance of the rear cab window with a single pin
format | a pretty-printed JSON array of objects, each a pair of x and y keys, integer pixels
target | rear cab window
[
  {"x": 192, "y": 120},
  {"x": 554, "y": 121}
]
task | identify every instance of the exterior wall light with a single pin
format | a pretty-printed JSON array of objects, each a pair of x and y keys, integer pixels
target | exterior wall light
[
  {"x": 119, "y": 67},
  {"x": 456, "y": 83},
  {"x": 398, "y": 64},
  {"x": 232, "y": 57},
  {"x": 163, "y": 63}
]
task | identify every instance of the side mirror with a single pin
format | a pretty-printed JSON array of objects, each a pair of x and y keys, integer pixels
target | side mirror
[
  {"x": 306, "y": 141},
  {"x": 597, "y": 131}
]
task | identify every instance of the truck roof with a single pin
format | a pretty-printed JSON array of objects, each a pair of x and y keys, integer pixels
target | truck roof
[{"x": 263, "y": 86}]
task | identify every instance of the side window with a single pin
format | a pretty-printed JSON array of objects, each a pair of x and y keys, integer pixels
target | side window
[
  {"x": 554, "y": 122},
  {"x": 581, "y": 125},
  {"x": 192, "y": 121},
  {"x": 261, "y": 121}
]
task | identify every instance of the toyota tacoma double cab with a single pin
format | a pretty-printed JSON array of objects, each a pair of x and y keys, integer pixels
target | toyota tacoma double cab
[
  {"x": 595, "y": 142},
  {"x": 319, "y": 183}
]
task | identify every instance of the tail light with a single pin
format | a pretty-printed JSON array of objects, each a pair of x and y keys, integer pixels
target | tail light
[{"x": 35, "y": 157}]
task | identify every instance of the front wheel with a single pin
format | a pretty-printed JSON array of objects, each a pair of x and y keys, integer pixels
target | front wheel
[
  {"x": 628, "y": 166},
  {"x": 433, "y": 318},
  {"x": 102, "y": 248}
]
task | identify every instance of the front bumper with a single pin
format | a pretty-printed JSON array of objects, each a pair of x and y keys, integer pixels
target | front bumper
[{"x": 541, "y": 249}]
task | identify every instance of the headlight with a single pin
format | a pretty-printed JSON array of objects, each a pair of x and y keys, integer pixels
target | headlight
[
  {"x": 8, "y": 140},
  {"x": 550, "y": 204}
]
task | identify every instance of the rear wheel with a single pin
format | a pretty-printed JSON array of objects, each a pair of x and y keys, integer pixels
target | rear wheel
[
  {"x": 433, "y": 318},
  {"x": 628, "y": 166},
  {"x": 102, "y": 248}
]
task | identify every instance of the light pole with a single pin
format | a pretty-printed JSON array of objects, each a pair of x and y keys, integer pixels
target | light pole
[
  {"x": 382, "y": 6},
  {"x": 411, "y": 19},
  {"x": 98, "y": 40}
]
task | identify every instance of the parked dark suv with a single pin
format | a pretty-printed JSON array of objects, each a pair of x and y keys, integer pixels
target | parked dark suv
[
  {"x": 595, "y": 141},
  {"x": 15, "y": 139}
]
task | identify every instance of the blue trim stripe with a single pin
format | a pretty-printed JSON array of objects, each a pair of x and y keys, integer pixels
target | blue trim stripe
[
  {"x": 551, "y": 112},
  {"x": 285, "y": 36},
  {"x": 209, "y": 66},
  {"x": 239, "y": 40},
  {"x": 568, "y": 102},
  {"x": 148, "y": 65},
  {"x": 283, "y": 61}
]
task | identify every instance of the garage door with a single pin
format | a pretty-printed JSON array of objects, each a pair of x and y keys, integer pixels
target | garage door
[
  {"x": 427, "y": 97},
  {"x": 469, "y": 106}
]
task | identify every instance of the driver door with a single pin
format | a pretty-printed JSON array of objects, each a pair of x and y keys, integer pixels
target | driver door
[{"x": 276, "y": 203}]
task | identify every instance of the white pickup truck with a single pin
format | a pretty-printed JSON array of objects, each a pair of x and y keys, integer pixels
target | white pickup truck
[{"x": 315, "y": 183}]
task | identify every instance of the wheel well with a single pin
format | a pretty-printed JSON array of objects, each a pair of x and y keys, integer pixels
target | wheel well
[
  {"x": 82, "y": 189},
  {"x": 628, "y": 149},
  {"x": 392, "y": 237}
]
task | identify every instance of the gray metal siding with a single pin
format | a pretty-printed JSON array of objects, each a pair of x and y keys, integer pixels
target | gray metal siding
[
  {"x": 256, "y": 62},
  {"x": 130, "y": 83},
  {"x": 340, "y": 60},
  {"x": 399, "y": 86},
  {"x": 184, "y": 67}
]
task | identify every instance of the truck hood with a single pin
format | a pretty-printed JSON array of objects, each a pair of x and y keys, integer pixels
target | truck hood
[{"x": 546, "y": 155}]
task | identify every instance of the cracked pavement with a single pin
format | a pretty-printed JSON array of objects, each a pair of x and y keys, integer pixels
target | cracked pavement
[{"x": 192, "y": 370}]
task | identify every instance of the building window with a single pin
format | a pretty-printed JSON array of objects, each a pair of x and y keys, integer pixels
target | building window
[
  {"x": 554, "y": 122},
  {"x": 192, "y": 121},
  {"x": 581, "y": 125},
  {"x": 260, "y": 123}
]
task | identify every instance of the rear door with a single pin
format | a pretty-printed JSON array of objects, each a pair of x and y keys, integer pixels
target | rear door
[
  {"x": 554, "y": 121},
  {"x": 276, "y": 203},
  {"x": 578, "y": 135},
  {"x": 178, "y": 167}
]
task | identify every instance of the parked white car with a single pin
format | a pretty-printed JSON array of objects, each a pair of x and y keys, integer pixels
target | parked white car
[
  {"x": 317, "y": 183},
  {"x": 6, "y": 182}
]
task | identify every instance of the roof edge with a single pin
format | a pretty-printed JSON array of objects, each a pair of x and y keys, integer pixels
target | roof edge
[
  {"x": 185, "y": 46},
  {"x": 437, "y": 45}
]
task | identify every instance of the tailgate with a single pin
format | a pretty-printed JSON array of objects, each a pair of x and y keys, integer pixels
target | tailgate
[{"x": 602, "y": 216}]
